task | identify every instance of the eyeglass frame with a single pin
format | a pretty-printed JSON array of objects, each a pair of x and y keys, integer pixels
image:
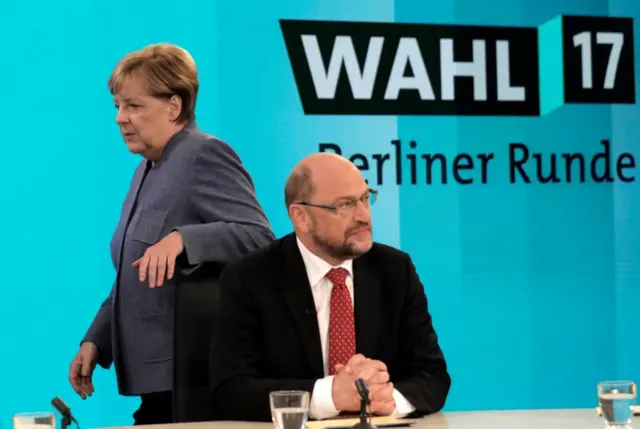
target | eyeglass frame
[{"x": 341, "y": 209}]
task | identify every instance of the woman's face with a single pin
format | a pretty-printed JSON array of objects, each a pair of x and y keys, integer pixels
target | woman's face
[{"x": 146, "y": 122}]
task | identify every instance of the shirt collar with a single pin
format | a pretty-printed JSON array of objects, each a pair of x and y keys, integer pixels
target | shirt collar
[{"x": 316, "y": 267}]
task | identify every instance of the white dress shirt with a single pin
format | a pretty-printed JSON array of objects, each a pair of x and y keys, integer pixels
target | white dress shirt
[{"x": 322, "y": 406}]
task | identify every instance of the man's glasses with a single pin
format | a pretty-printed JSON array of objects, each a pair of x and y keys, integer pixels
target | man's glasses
[{"x": 347, "y": 206}]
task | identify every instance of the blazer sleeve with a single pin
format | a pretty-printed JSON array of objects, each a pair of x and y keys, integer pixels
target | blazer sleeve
[
  {"x": 238, "y": 390},
  {"x": 223, "y": 196},
  {"x": 99, "y": 333},
  {"x": 425, "y": 382}
]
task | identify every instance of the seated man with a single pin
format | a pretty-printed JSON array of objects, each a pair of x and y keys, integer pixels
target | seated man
[{"x": 322, "y": 307}]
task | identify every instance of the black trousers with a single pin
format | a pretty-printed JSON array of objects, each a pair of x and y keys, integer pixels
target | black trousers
[{"x": 155, "y": 408}]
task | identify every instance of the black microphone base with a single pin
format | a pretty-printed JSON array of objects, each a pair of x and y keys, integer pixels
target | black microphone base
[{"x": 363, "y": 425}]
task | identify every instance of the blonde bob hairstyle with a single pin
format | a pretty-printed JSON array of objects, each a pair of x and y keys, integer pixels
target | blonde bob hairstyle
[{"x": 166, "y": 70}]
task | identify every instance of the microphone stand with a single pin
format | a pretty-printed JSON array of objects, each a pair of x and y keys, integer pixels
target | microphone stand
[
  {"x": 66, "y": 422},
  {"x": 65, "y": 413},
  {"x": 364, "y": 403}
]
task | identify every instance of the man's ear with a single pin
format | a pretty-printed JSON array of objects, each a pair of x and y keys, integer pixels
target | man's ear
[{"x": 299, "y": 218}]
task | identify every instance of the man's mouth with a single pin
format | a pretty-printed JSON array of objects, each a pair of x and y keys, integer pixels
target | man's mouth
[{"x": 361, "y": 231}]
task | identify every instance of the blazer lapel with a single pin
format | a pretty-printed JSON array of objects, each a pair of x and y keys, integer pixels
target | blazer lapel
[
  {"x": 136, "y": 185},
  {"x": 297, "y": 295},
  {"x": 366, "y": 291}
]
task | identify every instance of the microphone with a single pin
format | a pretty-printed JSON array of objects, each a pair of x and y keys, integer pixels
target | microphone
[
  {"x": 65, "y": 412},
  {"x": 363, "y": 390}
]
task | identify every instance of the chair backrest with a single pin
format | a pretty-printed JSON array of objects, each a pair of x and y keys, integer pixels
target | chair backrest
[{"x": 196, "y": 309}]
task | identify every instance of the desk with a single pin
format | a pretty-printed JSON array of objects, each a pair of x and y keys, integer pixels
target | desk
[{"x": 534, "y": 419}]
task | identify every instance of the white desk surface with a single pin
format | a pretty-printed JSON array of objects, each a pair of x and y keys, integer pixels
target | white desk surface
[{"x": 525, "y": 419}]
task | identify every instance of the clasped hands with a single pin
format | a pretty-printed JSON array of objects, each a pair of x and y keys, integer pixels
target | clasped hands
[{"x": 374, "y": 373}]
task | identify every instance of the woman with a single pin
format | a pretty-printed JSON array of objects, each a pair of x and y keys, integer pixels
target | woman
[{"x": 190, "y": 201}]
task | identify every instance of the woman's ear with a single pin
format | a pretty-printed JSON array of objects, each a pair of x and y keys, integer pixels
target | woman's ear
[{"x": 174, "y": 107}]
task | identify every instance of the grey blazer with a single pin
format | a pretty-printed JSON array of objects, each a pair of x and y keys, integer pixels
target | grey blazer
[{"x": 201, "y": 189}]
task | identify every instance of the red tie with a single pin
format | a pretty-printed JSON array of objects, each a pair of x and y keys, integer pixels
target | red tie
[{"x": 342, "y": 331}]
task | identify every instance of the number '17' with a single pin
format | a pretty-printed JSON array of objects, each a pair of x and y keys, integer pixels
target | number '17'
[{"x": 583, "y": 40}]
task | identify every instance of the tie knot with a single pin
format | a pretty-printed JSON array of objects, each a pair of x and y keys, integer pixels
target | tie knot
[{"x": 338, "y": 276}]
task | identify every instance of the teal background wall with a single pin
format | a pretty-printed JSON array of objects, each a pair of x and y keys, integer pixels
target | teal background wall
[{"x": 533, "y": 288}]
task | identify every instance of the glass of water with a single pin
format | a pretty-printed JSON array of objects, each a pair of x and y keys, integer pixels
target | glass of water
[
  {"x": 289, "y": 408},
  {"x": 37, "y": 420},
  {"x": 617, "y": 401}
]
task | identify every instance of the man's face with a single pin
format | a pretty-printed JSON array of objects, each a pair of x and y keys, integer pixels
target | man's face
[{"x": 346, "y": 232}]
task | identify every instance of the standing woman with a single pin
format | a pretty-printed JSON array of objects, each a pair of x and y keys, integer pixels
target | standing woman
[{"x": 190, "y": 201}]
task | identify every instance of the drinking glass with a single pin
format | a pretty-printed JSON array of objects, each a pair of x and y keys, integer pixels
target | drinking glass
[
  {"x": 617, "y": 401},
  {"x": 289, "y": 408},
  {"x": 37, "y": 420}
]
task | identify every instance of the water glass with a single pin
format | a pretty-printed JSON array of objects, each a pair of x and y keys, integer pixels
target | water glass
[
  {"x": 617, "y": 401},
  {"x": 289, "y": 408},
  {"x": 37, "y": 420}
]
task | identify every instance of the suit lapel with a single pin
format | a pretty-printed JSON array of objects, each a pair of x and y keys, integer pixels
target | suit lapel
[
  {"x": 366, "y": 291},
  {"x": 297, "y": 295}
]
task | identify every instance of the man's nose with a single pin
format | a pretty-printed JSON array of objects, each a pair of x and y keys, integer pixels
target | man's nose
[{"x": 362, "y": 212}]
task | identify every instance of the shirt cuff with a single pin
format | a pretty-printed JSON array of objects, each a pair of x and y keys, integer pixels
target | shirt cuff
[
  {"x": 403, "y": 406},
  {"x": 321, "y": 405}
]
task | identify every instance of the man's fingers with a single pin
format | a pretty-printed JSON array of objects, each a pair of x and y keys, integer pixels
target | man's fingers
[
  {"x": 384, "y": 393},
  {"x": 356, "y": 360},
  {"x": 382, "y": 402},
  {"x": 379, "y": 377},
  {"x": 375, "y": 388},
  {"x": 367, "y": 374},
  {"x": 372, "y": 375},
  {"x": 362, "y": 364},
  {"x": 383, "y": 408},
  {"x": 380, "y": 366}
]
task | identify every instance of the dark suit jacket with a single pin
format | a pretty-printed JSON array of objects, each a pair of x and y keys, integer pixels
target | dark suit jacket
[
  {"x": 268, "y": 337},
  {"x": 200, "y": 188}
]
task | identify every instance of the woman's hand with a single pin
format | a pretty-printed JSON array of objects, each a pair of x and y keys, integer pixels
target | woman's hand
[{"x": 160, "y": 259}]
